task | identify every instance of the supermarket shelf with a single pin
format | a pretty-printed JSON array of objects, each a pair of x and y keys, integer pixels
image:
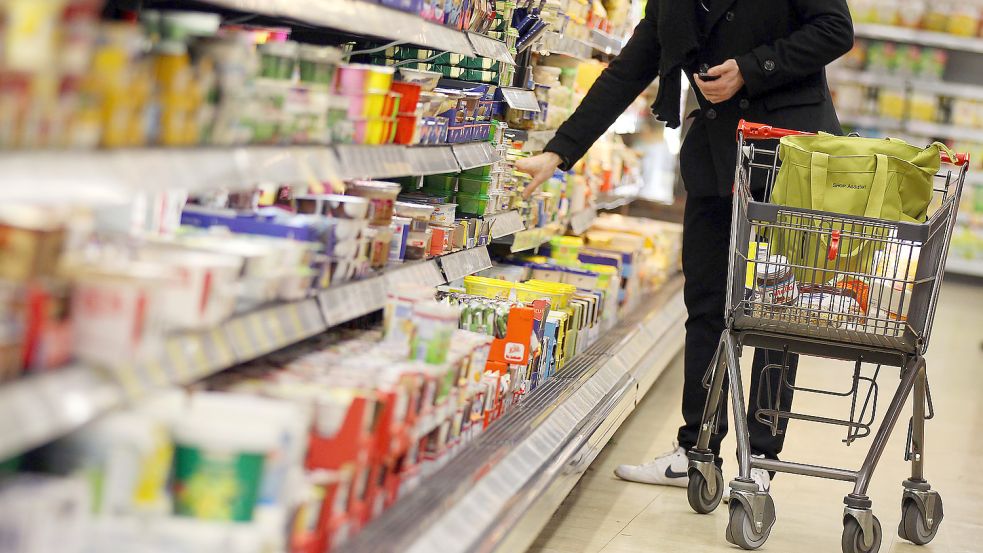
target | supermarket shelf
[
  {"x": 497, "y": 494},
  {"x": 505, "y": 224},
  {"x": 558, "y": 44},
  {"x": 42, "y": 408},
  {"x": 922, "y": 38},
  {"x": 361, "y": 18},
  {"x": 869, "y": 78},
  {"x": 934, "y": 130},
  {"x": 582, "y": 220},
  {"x": 533, "y": 238},
  {"x": 966, "y": 267},
  {"x": 614, "y": 201},
  {"x": 36, "y": 410},
  {"x": 93, "y": 176},
  {"x": 871, "y": 122},
  {"x": 605, "y": 43}
]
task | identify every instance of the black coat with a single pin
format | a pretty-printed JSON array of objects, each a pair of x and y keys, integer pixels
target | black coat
[{"x": 781, "y": 47}]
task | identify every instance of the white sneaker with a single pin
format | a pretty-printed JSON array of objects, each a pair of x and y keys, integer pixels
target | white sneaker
[
  {"x": 668, "y": 469},
  {"x": 760, "y": 476}
]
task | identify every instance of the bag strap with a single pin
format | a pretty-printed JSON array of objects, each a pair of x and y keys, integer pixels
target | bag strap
[
  {"x": 878, "y": 188},
  {"x": 818, "y": 172}
]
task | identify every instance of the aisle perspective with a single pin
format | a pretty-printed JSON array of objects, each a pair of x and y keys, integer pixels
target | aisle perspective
[{"x": 268, "y": 279}]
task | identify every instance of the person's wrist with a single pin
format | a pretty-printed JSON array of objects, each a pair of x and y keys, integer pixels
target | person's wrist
[{"x": 555, "y": 159}]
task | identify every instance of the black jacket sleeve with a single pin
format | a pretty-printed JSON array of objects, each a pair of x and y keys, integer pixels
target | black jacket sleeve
[
  {"x": 826, "y": 33},
  {"x": 617, "y": 87}
]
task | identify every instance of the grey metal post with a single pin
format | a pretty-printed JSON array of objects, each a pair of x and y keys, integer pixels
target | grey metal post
[
  {"x": 890, "y": 418},
  {"x": 740, "y": 410},
  {"x": 918, "y": 424},
  {"x": 713, "y": 399}
]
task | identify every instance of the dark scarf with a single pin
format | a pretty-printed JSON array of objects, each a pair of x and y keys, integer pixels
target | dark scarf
[{"x": 679, "y": 37}]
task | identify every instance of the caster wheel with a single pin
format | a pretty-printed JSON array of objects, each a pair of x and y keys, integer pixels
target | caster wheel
[
  {"x": 914, "y": 527},
  {"x": 697, "y": 491},
  {"x": 853, "y": 537},
  {"x": 740, "y": 528}
]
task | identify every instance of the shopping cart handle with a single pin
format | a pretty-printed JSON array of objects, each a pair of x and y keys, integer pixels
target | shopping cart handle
[
  {"x": 759, "y": 131},
  {"x": 962, "y": 158}
]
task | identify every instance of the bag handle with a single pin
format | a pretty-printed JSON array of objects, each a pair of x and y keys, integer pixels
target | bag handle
[
  {"x": 878, "y": 188},
  {"x": 818, "y": 174}
]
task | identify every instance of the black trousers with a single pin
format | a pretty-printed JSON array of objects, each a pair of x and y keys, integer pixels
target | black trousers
[{"x": 706, "y": 241}]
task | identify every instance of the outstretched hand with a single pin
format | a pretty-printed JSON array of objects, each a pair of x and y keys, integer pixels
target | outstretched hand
[{"x": 540, "y": 167}]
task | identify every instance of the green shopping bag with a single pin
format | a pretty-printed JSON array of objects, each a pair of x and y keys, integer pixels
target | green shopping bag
[{"x": 877, "y": 178}]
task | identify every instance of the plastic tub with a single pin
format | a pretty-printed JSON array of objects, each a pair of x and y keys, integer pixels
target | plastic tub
[
  {"x": 375, "y": 131},
  {"x": 473, "y": 185},
  {"x": 566, "y": 249},
  {"x": 345, "y": 207},
  {"x": 426, "y": 79},
  {"x": 381, "y": 196},
  {"x": 353, "y": 78},
  {"x": 318, "y": 64},
  {"x": 391, "y": 105},
  {"x": 411, "y": 96},
  {"x": 380, "y": 79},
  {"x": 406, "y": 130},
  {"x": 441, "y": 185},
  {"x": 488, "y": 287},
  {"x": 469, "y": 204},
  {"x": 278, "y": 60},
  {"x": 362, "y": 106},
  {"x": 419, "y": 213},
  {"x": 444, "y": 214},
  {"x": 213, "y": 456}
]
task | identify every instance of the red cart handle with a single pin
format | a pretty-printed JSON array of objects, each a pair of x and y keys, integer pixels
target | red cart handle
[{"x": 758, "y": 131}]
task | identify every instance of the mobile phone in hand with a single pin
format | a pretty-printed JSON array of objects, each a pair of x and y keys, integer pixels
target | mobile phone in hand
[{"x": 707, "y": 77}]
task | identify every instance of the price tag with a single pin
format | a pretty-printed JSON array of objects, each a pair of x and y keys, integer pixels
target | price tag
[
  {"x": 477, "y": 154},
  {"x": 529, "y": 239},
  {"x": 217, "y": 350},
  {"x": 311, "y": 319},
  {"x": 491, "y": 48},
  {"x": 582, "y": 220},
  {"x": 461, "y": 264},
  {"x": 431, "y": 160},
  {"x": 425, "y": 274},
  {"x": 350, "y": 301},
  {"x": 521, "y": 99},
  {"x": 504, "y": 224},
  {"x": 177, "y": 358}
]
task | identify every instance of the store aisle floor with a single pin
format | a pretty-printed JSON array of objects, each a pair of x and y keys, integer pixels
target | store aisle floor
[{"x": 607, "y": 515}]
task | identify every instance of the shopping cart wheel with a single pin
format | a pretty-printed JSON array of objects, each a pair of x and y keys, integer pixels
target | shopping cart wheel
[
  {"x": 853, "y": 537},
  {"x": 741, "y": 530},
  {"x": 698, "y": 491},
  {"x": 914, "y": 524}
]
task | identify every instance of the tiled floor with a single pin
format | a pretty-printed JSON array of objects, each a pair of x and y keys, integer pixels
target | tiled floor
[{"x": 604, "y": 514}]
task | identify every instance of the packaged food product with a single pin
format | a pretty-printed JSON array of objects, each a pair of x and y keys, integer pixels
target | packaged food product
[
  {"x": 434, "y": 323},
  {"x": 218, "y": 467},
  {"x": 827, "y": 306},
  {"x": 774, "y": 282},
  {"x": 381, "y": 196}
]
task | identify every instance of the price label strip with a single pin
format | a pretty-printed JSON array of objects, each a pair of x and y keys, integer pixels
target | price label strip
[
  {"x": 504, "y": 224},
  {"x": 357, "y": 161},
  {"x": 582, "y": 220},
  {"x": 529, "y": 239},
  {"x": 350, "y": 301},
  {"x": 461, "y": 264},
  {"x": 425, "y": 274},
  {"x": 491, "y": 48},
  {"x": 477, "y": 154},
  {"x": 431, "y": 160},
  {"x": 521, "y": 99}
]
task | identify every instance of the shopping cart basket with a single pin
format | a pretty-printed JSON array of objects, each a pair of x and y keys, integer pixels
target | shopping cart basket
[{"x": 875, "y": 305}]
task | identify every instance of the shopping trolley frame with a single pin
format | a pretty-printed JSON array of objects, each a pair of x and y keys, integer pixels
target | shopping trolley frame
[{"x": 826, "y": 329}]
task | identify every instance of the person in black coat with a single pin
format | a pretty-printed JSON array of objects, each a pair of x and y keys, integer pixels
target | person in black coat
[{"x": 766, "y": 63}]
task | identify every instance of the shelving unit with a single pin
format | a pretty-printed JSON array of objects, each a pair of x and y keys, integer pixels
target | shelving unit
[
  {"x": 501, "y": 491},
  {"x": 196, "y": 169},
  {"x": 39, "y": 409},
  {"x": 919, "y": 37},
  {"x": 965, "y": 267},
  {"x": 359, "y": 17}
]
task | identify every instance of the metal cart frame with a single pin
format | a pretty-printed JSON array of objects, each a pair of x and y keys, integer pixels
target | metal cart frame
[{"x": 828, "y": 325}]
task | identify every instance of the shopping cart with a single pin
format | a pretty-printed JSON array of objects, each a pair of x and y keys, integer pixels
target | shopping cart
[{"x": 791, "y": 289}]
